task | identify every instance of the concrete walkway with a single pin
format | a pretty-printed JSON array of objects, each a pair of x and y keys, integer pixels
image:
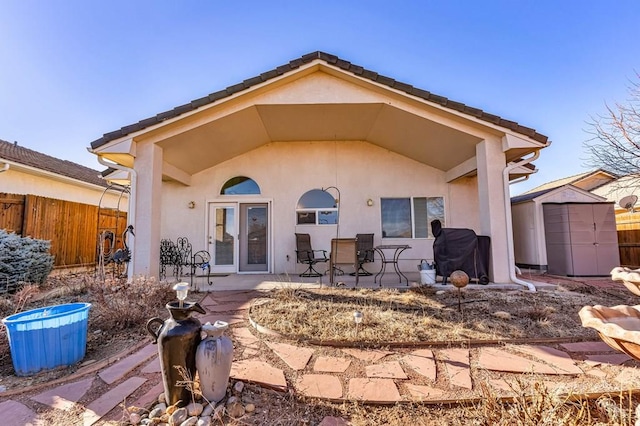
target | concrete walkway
[{"x": 427, "y": 375}]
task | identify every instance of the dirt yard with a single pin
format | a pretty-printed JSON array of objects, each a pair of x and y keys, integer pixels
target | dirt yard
[{"x": 120, "y": 311}]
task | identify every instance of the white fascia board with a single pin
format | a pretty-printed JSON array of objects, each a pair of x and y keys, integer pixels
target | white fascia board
[
  {"x": 118, "y": 146},
  {"x": 512, "y": 141},
  {"x": 522, "y": 170}
]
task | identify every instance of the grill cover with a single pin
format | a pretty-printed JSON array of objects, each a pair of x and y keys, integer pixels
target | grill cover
[{"x": 460, "y": 249}]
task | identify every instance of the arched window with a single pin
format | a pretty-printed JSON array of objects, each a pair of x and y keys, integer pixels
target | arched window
[
  {"x": 317, "y": 207},
  {"x": 240, "y": 185}
]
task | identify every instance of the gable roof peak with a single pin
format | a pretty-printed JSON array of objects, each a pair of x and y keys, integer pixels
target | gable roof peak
[{"x": 343, "y": 65}]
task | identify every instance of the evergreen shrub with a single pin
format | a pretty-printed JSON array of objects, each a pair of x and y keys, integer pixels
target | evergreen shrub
[{"x": 23, "y": 260}]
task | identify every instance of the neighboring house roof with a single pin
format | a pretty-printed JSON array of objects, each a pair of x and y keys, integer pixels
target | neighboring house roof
[
  {"x": 619, "y": 188},
  {"x": 574, "y": 180},
  {"x": 334, "y": 61},
  {"x": 20, "y": 155}
]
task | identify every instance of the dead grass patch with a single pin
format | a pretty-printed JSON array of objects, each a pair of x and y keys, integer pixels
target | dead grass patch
[{"x": 421, "y": 314}]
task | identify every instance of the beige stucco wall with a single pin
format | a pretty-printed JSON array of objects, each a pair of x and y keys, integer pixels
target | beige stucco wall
[
  {"x": 286, "y": 170},
  {"x": 15, "y": 181}
]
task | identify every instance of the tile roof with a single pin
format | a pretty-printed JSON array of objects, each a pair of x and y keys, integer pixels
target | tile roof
[
  {"x": 21, "y": 155},
  {"x": 332, "y": 60}
]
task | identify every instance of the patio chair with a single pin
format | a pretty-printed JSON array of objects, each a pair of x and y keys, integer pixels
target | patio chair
[
  {"x": 365, "y": 252},
  {"x": 344, "y": 251},
  {"x": 305, "y": 254}
]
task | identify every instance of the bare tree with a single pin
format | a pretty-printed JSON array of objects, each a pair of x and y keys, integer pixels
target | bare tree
[{"x": 615, "y": 142}]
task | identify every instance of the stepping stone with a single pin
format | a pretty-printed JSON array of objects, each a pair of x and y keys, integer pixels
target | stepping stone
[
  {"x": 422, "y": 393},
  {"x": 16, "y": 414},
  {"x": 120, "y": 369},
  {"x": 152, "y": 367},
  {"x": 612, "y": 359},
  {"x": 628, "y": 378},
  {"x": 501, "y": 360},
  {"x": 294, "y": 356},
  {"x": 387, "y": 370},
  {"x": 597, "y": 373},
  {"x": 150, "y": 396},
  {"x": 373, "y": 355},
  {"x": 245, "y": 296},
  {"x": 422, "y": 362},
  {"x": 320, "y": 386},
  {"x": 587, "y": 347},
  {"x": 457, "y": 364},
  {"x": 333, "y": 421},
  {"x": 381, "y": 391},
  {"x": 244, "y": 337},
  {"x": 330, "y": 364},
  {"x": 250, "y": 353},
  {"x": 228, "y": 318},
  {"x": 110, "y": 400},
  {"x": 63, "y": 397},
  {"x": 558, "y": 359},
  {"x": 229, "y": 306},
  {"x": 258, "y": 372}
]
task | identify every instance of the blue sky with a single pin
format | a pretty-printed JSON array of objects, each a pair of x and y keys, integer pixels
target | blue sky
[{"x": 71, "y": 70}]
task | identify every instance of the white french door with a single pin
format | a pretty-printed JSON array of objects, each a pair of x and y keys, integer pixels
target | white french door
[{"x": 239, "y": 237}]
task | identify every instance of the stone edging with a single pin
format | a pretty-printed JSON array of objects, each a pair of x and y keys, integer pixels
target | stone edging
[{"x": 81, "y": 372}]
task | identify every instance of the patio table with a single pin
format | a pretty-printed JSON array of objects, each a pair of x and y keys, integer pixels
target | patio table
[{"x": 393, "y": 255}]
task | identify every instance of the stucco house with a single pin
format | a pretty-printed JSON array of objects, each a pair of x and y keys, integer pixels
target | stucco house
[
  {"x": 25, "y": 171},
  {"x": 241, "y": 170}
]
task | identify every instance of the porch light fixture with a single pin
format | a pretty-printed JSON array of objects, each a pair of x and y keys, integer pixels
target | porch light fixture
[
  {"x": 191, "y": 204},
  {"x": 370, "y": 202},
  {"x": 181, "y": 291}
]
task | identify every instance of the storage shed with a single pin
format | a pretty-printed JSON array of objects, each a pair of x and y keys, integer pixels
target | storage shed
[
  {"x": 530, "y": 245},
  {"x": 581, "y": 238}
]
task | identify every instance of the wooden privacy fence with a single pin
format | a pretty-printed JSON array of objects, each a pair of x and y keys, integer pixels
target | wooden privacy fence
[
  {"x": 72, "y": 228},
  {"x": 629, "y": 245}
]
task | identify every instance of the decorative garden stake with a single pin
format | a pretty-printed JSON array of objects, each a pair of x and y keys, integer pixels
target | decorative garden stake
[
  {"x": 357, "y": 317},
  {"x": 178, "y": 338},
  {"x": 459, "y": 279},
  {"x": 213, "y": 361}
]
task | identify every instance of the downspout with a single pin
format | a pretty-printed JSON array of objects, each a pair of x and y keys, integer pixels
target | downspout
[
  {"x": 131, "y": 211},
  {"x": 507, "y": 208},
  {"x": 4, "y": 168}
]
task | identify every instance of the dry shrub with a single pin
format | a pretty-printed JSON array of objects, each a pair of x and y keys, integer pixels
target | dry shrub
[
  {"x": 118, "y": 304},
  {"x": 533, "y": 405},
  {"x": 540, "y": 313}
]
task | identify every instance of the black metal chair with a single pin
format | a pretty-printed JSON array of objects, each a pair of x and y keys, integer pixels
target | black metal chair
[
  {"x": 344, "y": 251},
  {"x": 305, "y": 254},
  {"x": 365, "y": 252}
]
